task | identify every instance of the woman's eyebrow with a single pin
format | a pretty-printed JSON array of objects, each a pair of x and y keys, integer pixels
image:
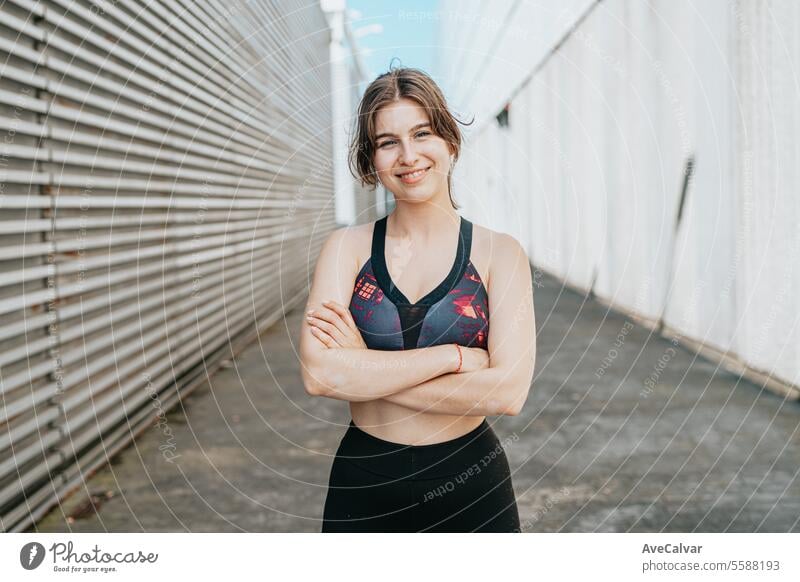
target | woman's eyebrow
[{"x": 386, "y": 134}]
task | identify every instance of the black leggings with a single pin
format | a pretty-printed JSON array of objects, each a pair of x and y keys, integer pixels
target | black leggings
[{"x": 460, "y": 485}]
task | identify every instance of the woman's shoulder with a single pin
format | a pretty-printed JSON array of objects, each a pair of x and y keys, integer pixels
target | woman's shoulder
[
  {"x": 492, "y": 249},
  {"x": 354, "y": 241},
  {"x": 352, "y": 233},
  {"x": 484, "y": 237}
]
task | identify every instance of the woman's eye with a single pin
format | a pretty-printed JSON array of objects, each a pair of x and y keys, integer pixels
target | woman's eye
[{"x": 391, "y": 141}]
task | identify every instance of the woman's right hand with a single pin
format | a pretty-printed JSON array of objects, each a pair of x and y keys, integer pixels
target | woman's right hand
[{"x": 473, "y": 359}]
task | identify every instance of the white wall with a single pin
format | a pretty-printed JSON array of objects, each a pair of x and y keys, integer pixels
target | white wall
[{"x": 588, "y": 176}]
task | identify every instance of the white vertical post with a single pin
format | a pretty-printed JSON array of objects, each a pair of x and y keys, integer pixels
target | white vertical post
[{"x": 344, "y": 195}]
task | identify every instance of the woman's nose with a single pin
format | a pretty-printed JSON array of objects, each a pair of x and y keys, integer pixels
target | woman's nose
[{"x": 408, "y": 153}]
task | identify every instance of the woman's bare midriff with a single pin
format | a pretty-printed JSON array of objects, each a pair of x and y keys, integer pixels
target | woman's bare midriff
[{"x": 398, "y": 424}]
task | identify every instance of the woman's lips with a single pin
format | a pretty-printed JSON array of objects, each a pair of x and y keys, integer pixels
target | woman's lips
[{"x": 414, "y": 177}]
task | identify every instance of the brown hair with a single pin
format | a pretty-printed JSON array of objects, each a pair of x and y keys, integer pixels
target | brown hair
[{"x": 391, "y": 87}]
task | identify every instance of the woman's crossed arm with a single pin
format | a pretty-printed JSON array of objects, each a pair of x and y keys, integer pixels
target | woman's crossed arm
[
  {"x": 341, "y": 366},
  {"x": 495, "y": 386},
  {"x": 502, "y": 387}
]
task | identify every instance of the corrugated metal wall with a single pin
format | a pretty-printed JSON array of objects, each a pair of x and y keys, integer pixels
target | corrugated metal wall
[
  {"x": 164, "y": 194},
  {"x": 604, "y": 121}
]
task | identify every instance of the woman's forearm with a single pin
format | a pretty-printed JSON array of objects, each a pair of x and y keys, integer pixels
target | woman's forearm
[
  {"x": 356, "y": 375},
  {"x": 485, "y": 392}
]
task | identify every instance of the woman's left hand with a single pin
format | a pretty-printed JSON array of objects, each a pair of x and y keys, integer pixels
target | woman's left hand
[{"x": 333, "y": 325}]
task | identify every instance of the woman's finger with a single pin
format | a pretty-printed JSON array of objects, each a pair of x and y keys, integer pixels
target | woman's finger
[
  {"x": 342, "y": 312},
  {"x": 323, "y": 337},
  {"x": 355, "y": 339},
  {"x": 331, "y": 329},
  {"x": 331, "y": 317},
  {"x": 346, "y": 334}
]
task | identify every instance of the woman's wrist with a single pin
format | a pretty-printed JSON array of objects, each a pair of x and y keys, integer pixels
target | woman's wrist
[
  {"x": 460, "y": 359},
  {"x": 451, "y": 354}
]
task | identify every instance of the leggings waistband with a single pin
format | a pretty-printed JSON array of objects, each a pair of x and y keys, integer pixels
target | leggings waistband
[{"x": 401, "y": 461}]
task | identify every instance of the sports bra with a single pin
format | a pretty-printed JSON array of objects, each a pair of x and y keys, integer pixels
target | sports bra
[{"x": 456, "y": 311}]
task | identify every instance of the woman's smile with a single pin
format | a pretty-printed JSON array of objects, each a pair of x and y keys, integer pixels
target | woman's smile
[{"x": 414, "y": 177}]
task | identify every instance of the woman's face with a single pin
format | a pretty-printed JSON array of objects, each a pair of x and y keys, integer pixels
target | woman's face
[{"x": 405, "y": 142}]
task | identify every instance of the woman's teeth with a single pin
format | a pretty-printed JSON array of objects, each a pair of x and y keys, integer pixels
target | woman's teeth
[{"x": 413, "y": 175}]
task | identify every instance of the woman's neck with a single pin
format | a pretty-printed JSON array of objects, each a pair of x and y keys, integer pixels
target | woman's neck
[{"x": 423, "y": 221}]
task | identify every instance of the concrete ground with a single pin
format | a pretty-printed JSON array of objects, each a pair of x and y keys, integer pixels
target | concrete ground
[{"x": 622, "y": 431}]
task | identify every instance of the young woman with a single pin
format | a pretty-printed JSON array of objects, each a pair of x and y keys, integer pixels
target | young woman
[{"x": 398, "y": 324}]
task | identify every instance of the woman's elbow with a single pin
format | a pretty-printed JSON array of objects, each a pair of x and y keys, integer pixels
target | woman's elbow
[
  {"x": 324, "y": 380},
  {"x": 315, "y": 368},
  {"x": 313, "y": 385},
  {"x": 316, "y": 380},
  {"x": 518, "y": 397},
  {"x": 512, "y": 409}
]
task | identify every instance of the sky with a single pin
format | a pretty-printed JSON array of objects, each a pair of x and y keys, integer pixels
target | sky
[{"x": 409, "y": 31}]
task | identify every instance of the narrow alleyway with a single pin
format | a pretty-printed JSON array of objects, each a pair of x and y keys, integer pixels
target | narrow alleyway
[{"x": 622, "y": 431}]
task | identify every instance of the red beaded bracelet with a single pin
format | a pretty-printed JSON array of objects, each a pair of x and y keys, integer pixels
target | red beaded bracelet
[{"x": 458, "y": 347}]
